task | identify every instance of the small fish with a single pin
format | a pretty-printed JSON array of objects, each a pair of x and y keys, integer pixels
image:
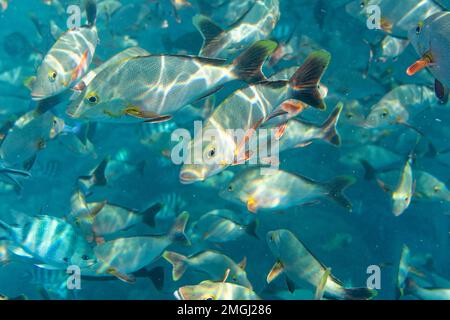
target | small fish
[
  {"x": 299, "y": 133},
  {"x": 428, "y": 187},
  {"x": 377, "y": 156},
  {"x": 399, "y": 106},
  {"x": 396, "y": 17},
  {"x": 255, "y": 25},
  {"x": 172, "y": 205},
  {"x": 99, "y": 219},
  {"x": 51, "y": 284},
  {"x": 22, "y": 144},
  {"x": 123, "y": 256},
  {"x": 108, "y": 172},
  {"x": 210, "y": 290},
  {"x": 281, "y": 190},
  {"x": 51, "y": 240},
  {"x": 255, "y": 105},
  {"x": 338, "y": 241},
  {"x": 142, "y": 95},
  {"x": 69, "y": 58},
  {"x": 412, "y": 288},
  {"x": 402, "y": 194},
  {"x": 403, "y": 271},
  {"x": 299, "y": 266},
  {"x": 222, "y": 225},
  {"x": 212, "y": 263}
]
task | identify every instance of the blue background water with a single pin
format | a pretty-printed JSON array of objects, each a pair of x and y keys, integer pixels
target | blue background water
[{"x": 377, "y": 236}]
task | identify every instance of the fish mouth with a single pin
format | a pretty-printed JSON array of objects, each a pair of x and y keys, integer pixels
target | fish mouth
[
  {"x": 188, "y": 177},
  {"x": 37, "y": 97}
]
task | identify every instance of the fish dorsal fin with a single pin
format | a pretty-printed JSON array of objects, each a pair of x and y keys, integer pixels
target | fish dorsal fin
[
  {"x": 227, "y": 273},
  {"x": 276, "y": 270},
  {"x": 208, "y": 29},
  {"x": 243, "y": 263}
]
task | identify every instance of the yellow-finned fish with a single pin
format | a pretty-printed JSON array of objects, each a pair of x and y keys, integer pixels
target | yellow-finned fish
[
  {"x": 220, "y": 290},
  {"x": 69, "y": 58},
  {"x": 281, "y": 190},
  {"x": 245, "y": 111},
  {"x": 256, "y": 24},
  {"x": 300, "y": 266},
  {"x": 213, "y": 263},
  {"x": 152, "y": 88}
]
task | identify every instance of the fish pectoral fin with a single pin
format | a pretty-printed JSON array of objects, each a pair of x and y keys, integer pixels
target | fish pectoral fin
[
  {"x": 46, "y": 266},
  {"x": 320, "y": 290},
  {"x": 147, "y": 115},
  {"x": 281, "y": 129},
  {"x": 293, "y": 107},
  {"x": 425, "y": 61},
  {"x": 302, "y": 145},
  {"x": 276, "y": 270},
  {"x": 123, "y": 277},
  {"x": 383, "y": 186},
  {"x": 77, "y": 71},
  {"x": 252, "y": 205},
  {"x": 227, "y": 273}
]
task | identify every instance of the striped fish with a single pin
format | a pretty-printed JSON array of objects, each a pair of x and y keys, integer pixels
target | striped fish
[
  {"x": 51, "y": 284},
  {"x": 69, "y": 58},
  {"x": 300, "y": 266},
  {"x": 153, "y": 88},
  {"x": 124, "y": 256},
  {"x": 255, "y": 25},
  {"x": 52, "y": 241}
]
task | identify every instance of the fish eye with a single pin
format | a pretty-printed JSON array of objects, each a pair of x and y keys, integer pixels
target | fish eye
[
  {"x": 52, "y": 75},
  {"x": 212, "y": 153},
  {"x": 66, "y": 259},
  {"x": 230, "y": 188},
  {"x": 210, "y": 298},
  {"x": 419, "y": 28},
  {"x": 385, "y": 113},
  {"x": 85, "y": 257},
  {"x": 436, "y": 189},
  {"x": 406, "y": 199},
  {"x": 349, "y": 115},
  {"x": 92, "y": 98}
]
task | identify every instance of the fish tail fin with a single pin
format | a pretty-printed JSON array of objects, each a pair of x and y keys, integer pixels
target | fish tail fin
[
  {"x": 251, "y": 228},
  {"x": 359, "y": 293},
  {"x": 336, "y": 188},
  {"x": 177, "y": 233},
  {"x": 149, "y": 214},
  {"x": 91, "y": 11},
  {"x": 248, "y": 66},
  {"x": 328, "y": 128},
  {"x": 178, "y": 262},
  {"x": 209, "y": 30},
  {"x": 305, "y": 81}
]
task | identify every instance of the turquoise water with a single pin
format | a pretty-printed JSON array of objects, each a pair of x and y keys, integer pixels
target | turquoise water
[{"x": 140, "y": 171}]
